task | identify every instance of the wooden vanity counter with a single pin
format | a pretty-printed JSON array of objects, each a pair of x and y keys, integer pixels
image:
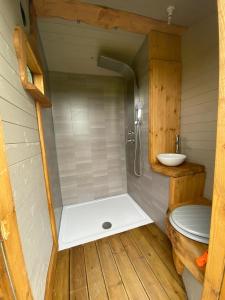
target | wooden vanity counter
[{"x": 187, "y": 168}]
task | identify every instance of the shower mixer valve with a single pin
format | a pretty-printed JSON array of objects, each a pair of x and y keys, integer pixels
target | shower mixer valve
[
  {"x": 132, "y": 141},
  {"x": 130, "y": 138}
]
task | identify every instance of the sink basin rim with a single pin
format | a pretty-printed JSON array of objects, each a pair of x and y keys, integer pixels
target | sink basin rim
[{"x": 171, "y": 159}]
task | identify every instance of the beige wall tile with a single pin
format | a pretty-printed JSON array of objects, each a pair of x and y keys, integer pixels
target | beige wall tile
[{"x": 88, "y": 114}]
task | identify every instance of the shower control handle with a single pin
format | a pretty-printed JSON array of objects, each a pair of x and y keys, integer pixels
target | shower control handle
[{"x": 131, "y": 141}]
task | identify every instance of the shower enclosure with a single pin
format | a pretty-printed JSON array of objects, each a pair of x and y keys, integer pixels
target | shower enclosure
[
  {"x": 89, "y": 125},
  {"x": 133, "y": 134}
]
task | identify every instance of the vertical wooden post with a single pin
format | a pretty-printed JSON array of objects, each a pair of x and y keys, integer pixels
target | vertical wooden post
[{"x": 214, "y": 276}]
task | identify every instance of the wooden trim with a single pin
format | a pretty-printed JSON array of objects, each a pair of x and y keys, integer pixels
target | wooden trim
[
  {"x": 185, "y": 169},
  {"x": 216, "y": 260},
  {"x": 46, "y": 175},
  {"x": 51, "y": 274},
  {"x": 27, "y": 56},
  {"x": 104, "y": 17},
  {"x": 52, "y": 263},
  {"x": 5, "y": 286},
  {"x": 12, "y": 245}
]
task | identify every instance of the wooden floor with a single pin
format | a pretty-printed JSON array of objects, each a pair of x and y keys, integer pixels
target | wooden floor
[{"x": 136, "y": 264}]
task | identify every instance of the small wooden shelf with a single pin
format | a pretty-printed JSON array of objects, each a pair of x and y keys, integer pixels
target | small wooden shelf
[
  {"x": 185, "y": 169},
  {"x": 27, "y": 58}
]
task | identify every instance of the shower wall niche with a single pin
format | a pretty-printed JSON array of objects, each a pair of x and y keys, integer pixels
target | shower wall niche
[{"x": 88, "y": 115}]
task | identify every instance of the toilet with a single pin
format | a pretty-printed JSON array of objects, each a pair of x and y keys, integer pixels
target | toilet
[{"x": 193, "y": 221}]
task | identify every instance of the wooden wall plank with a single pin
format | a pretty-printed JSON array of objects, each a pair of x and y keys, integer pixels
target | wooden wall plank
[
  {"x": 13, "y": 114},
  {"x": 103, "y": 17},
  {"x": 216, "y": 260},
  {"x": 15, "y": 97},
  {"x": 17, "y": 134}
]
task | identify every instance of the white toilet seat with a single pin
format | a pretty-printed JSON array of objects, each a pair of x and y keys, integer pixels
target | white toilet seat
[{"x": 193, "y": 221}]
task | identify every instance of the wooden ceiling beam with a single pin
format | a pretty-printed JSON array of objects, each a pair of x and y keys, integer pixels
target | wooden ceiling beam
[{"x": 103, "y": 17}]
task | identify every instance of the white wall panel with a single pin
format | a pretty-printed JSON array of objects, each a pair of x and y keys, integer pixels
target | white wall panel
[
  {"x": 17, "y": 111},
  {"x": 200, "y": 95}
]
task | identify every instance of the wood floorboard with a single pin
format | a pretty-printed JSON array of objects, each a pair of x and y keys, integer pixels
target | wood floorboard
[
  {"x": 135, "y": 265},
  {"x": 162, "y": 247},
  {"x": 129, "y": 276},
  {"x": 61, "y": 285},
  {"x": 151, "y": 284},
  {"x": 95, "y": 279},
  {"x": 173, "y": 289},
  {"x": 113, "y": 281},
  {"x": 78, "y": 277}
]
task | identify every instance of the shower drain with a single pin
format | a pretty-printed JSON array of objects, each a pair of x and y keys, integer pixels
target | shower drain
[{"x": 106, "y": 225}]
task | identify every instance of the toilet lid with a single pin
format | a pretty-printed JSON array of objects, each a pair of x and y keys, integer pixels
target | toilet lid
[{"x": 192, "y": 221}]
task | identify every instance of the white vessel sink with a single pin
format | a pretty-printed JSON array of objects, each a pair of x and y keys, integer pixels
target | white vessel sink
[{"x": 171, "y": 159}]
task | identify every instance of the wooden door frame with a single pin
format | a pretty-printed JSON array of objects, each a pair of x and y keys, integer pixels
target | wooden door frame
[
  {"x": 214, "y": 283},
  {"x": 6, "y": 288}
]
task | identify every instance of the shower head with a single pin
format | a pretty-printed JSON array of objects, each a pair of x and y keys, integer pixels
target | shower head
[{"x": 117, "y": 66}]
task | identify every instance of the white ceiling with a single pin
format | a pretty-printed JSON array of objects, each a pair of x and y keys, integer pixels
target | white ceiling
[{"x": 74, "y": 48}]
